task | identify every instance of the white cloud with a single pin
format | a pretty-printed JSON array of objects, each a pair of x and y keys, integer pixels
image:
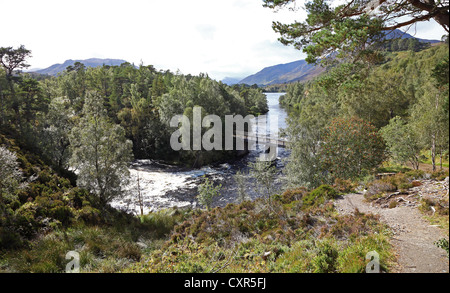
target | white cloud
[{"x": 218, "y": 37}]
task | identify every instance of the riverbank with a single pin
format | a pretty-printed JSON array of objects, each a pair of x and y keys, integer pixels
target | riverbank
[{"x": 162, "y": 185}]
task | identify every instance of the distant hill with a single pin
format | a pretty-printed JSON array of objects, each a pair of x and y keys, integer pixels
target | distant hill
[
  {"x": 231, "y": 80},
  {"x": 302, "y": 71},
  {"x": 284, "y": 73},
  {"x": 93, "y": 62},
  {"x": 398, "y": 34}
]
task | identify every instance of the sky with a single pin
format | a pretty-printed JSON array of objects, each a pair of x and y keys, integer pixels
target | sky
[{"x": 223, "y": 38}]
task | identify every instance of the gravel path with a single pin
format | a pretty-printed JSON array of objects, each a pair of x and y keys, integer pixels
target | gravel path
[{"x": 413, "y": 238}]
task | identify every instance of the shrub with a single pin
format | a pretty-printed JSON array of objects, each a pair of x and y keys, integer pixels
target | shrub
[
  {"x": 89, "y": 215},
  {"x": 79, "y": 197},
  {"x": 415, "y": 174},
  {"x": 25, "y": 219},
  {"x": 377, "y": 189},
  {"x": 440, "y": 206},
  {"x": 398, "y": 180},
  {"x": 350, "y": 147},
  {"x": 9, "y": 239},
  {"x": 426, "y": 205},
  {"x": 352, "y": 259},
  {"x": 130, "y": 251},
  {"x": 405, "y": 186},
  {"x": 393, "y": 204},
  {"x": 443, "y": 243},
  {"x": 63, "y": 214},
  {"x": 292, "y": 195},
  {"x": 326, "y": 259},
  {"x": 344, "y": 186},
  {"x": 207, "y": 192},
  {"x": 439, "y": 175},
  {"x": 319, "y": 195},
  {"x": 351, "y": 226},
  {"x": 162, "y": 222},
  {"x": 416, "y": 183}
]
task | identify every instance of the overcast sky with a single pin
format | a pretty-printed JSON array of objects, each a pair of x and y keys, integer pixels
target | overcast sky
[{"x": 224, "y": 38}]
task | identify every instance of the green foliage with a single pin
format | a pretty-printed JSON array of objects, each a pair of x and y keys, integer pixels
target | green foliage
[
  {"x": 350, "y": 29},
  {"x": 326, "y": 259},
  {"x": 239, "y": 178},
  {"x": 250, "y": 237},
  {"x": 263, "y": 172},
  {"x": 304, "y": 133},
  {"x": 207, "y": 192},
  {"x": 319, "y": 196},
  {"x": 294, "y": 94},
  {"x": 443, "y": 243},
  {"x": 163, "y": 222},
  {"x": 141, "y": 100},
  {"x": 411, "y": 44},
  {"x": 292, "y": 195},
  {"x": 100, "y": 152},
  {"x": 440, "y": 175},
  {"x": 399, "y": 87},
  {"x": 402, "y": 142},
  {"x": 101, "y": 250},
  {"x": 351, "y": 147},
  {"x": 353, "y": 258},
  {"x": 375, "y": 94},
  {"x": 10, "y": 174},
  {"x": 344, "y": 186}
]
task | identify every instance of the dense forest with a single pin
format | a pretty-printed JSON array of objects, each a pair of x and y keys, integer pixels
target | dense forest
[
  {"x": 405, "y": 99},
  {"x": 140, "y": 100}
]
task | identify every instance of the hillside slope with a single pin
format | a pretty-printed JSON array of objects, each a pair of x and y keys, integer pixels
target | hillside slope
[
  {"x": 284, "y": 73},
  {"x": 92, "y": 62}
]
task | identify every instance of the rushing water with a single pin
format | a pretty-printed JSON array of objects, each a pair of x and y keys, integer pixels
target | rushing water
[{"x": 163, "y": 186}]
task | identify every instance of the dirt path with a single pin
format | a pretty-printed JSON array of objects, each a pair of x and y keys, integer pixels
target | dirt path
[{"x": 413, "y": 238}]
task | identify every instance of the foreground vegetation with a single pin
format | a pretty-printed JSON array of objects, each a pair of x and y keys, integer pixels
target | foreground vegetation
[
  {"x": 343, "y": 126},
  {"x": 299, "y": 231}
]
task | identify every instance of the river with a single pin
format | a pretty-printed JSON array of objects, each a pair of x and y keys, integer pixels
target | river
[{"x": 164, "y": 186}]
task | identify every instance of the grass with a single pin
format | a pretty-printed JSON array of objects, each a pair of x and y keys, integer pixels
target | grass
[
  {"x": 440, "y": 215},
  {"x": 426, "y": 159},
  {"x": 103, "y": 248},
  {"x": 286, "y": 235},
  {"x": 297, "y": 231}
]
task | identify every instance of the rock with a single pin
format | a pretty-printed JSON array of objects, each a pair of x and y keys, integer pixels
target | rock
[
  {"x": 141, "y": 245},
  {"x": 266, "y": 255}
]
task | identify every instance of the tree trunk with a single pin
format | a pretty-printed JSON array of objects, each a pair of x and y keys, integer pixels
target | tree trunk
[
  {"x": 1, "y": 107},
  {"x": 433, "y": 152},
  {"x": 141, "y": 204},
  {"x": 415, "y": 163}
]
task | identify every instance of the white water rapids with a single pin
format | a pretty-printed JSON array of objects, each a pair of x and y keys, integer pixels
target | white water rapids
[{"x": 163, "y": 186}]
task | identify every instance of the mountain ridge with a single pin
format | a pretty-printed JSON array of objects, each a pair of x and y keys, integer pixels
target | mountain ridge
[
  {"x": 91, "y": 62},
  {"x": 288, "y": 72},
  {"x": 300, "y": 70}
]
